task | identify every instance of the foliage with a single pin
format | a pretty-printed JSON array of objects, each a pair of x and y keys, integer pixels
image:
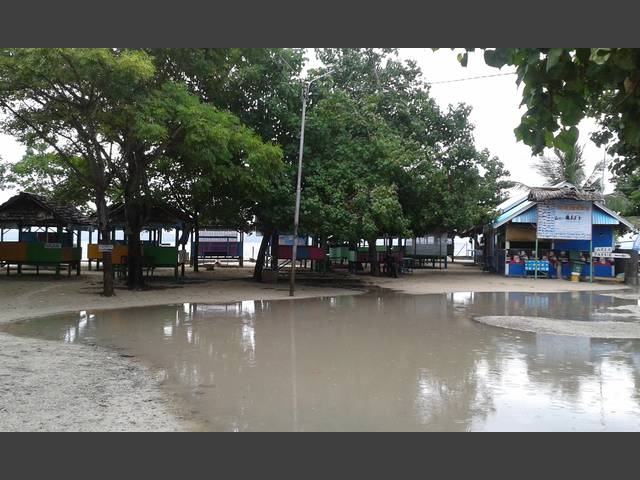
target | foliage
[
  {"x": 109, "y": 116},
  {"x": 430, "y": 163},
  {"x": 352, "y": 158},
  {"x": 626, "y": 198},
  {"x": 564, "y": 85},
  {"x": 261, "y": 87}
]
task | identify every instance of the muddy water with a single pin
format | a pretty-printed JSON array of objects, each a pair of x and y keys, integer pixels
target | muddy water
[{"x": 376, "y": 362}]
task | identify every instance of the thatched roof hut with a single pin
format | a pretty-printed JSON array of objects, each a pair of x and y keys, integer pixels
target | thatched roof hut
[
  {"x": 539, "y": 194},
  {"x": 31, "y": 210},
  {"x": 155, "y": 216}
]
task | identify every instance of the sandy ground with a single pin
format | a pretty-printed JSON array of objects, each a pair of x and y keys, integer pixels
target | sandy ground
[
  {"x": 574, "y": 328},
  {"x": 53, "y": 386},
  {"x": 468, "y": 278}
]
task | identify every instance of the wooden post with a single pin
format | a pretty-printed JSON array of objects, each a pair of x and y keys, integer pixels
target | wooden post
[
  {"x": 79, "y": 244},
  {"x": 591, "y": 259},
  {"x": 90, "y": 238},
  {"x": 631, "y": 269},
  {"x": 535, "y": 265}
]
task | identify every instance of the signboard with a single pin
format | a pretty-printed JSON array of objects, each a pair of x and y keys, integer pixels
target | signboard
[
  {"x": 611, "y": 255},
  {"x": 52, "y": 245},
  {"x": 562, "y": 219},
  {"x": 105, "y": 248}
]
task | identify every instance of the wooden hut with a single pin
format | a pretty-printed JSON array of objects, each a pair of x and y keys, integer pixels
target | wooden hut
[
  {"x": 49, "y": 233},
  {"x": 156, "y": 218}
]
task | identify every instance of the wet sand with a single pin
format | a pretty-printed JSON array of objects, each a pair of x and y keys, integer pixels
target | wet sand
[
  {"x": 460, "y": 277},
  {"x": 573, "y": 328},
  {"x": 30, "y": 296},
  {"x": 52, "y": 386}
]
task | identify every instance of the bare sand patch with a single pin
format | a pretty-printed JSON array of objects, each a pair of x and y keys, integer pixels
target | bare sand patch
[
  {"x": 468, "y": 278},
  {"x": 574, "y": 328},
  {"x": 51, "y": 386}
]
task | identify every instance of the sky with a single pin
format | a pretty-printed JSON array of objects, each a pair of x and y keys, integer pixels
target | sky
[{"x": 496, "y": 112}]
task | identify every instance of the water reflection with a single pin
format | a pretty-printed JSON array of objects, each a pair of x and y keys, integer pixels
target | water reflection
[{"x": 376, "y": 362}]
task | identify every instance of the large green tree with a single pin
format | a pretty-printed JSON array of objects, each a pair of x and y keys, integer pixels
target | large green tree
[
  {"x": 262, "y": 88},
  {"x": 63, "y": 98},
  {"x": 446, "y": 183},
  {"x": 382, "y": 155},
  {"x": 114, "y": 111}
]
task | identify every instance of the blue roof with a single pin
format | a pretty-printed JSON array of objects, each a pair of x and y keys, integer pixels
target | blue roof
[
  {"x": 512, "y": 212},
  {"x": 526, "y": 212}
]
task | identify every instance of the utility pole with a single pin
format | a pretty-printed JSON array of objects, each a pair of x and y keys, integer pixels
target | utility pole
[{"x": 296, "y": 216}]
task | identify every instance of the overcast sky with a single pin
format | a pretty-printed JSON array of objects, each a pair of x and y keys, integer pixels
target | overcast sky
[{"x": 495, "y": 113}]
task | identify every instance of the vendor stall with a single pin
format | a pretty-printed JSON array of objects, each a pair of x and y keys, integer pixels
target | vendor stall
[{"x": 555, "y": 232}]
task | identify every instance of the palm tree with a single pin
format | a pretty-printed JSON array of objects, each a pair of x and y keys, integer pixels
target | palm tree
[{"x": 570, "y": 167}]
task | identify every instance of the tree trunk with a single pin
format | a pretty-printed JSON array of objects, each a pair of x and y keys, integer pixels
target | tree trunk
[
  {"x": 262, "y": 251},
  {"x": 135, "y": 277},
  {"x": 373, "y": 258},
  {"x": 274, "y": 249},
  {"x": 107, "y": 263},
  {"x": 133, "y": 205}
]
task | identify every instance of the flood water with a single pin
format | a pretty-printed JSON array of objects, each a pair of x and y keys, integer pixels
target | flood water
[{"x": 376, "y": 362}]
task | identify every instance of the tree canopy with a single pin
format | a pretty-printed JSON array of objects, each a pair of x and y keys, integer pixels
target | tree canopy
[
  {"x": 215, "y": 133},
  {"x": 564, "y": 85}
]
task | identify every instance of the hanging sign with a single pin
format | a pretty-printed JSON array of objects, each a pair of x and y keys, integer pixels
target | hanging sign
[
  {"x": 562, "y": 219},
  {"x": 105, "y": 248}
]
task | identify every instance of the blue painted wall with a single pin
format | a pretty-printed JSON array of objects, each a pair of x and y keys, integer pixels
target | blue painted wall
[{"x": 602, "y": 237}]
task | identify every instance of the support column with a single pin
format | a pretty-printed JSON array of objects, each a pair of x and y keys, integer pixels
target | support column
[
  {"x": 89, "y": 260},
  {"x": 591, "y": 259},
  {"x": 535, "y": 268},
  {"x": 79, "y": 244}
]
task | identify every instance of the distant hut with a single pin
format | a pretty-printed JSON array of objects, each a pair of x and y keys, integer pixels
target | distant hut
[
  {"x": 156, "y": 218},
  {"x": 49, "y": 233}
]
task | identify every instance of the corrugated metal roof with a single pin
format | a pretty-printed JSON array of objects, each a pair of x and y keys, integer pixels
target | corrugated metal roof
[
  {"x": 528, "y": 213},
  {"x": 530, "y": 216},
  {"x": 598, "y": 217},
  {"x": 512, "y": 212}
]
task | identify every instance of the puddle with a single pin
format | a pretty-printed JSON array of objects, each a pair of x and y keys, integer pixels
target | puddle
[{"x": 376, "y": 362}]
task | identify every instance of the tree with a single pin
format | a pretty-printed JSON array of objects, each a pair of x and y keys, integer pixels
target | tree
[
  {"x": 111, "y": 110},
  {"x": 65, "y": 99},
  {"x": 445, "y": 183},
  {"x": 381, "y": 159},
  {"x": 262, "y": 88},
  {"x": 564, "y": 85},
  {"x": 217, "y": 173},
  {"x": 3, "y": 174},
  {"x": 352, "y": 161}
]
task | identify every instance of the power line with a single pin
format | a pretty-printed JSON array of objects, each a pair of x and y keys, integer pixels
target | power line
[{"x": 472, "y": 78}]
